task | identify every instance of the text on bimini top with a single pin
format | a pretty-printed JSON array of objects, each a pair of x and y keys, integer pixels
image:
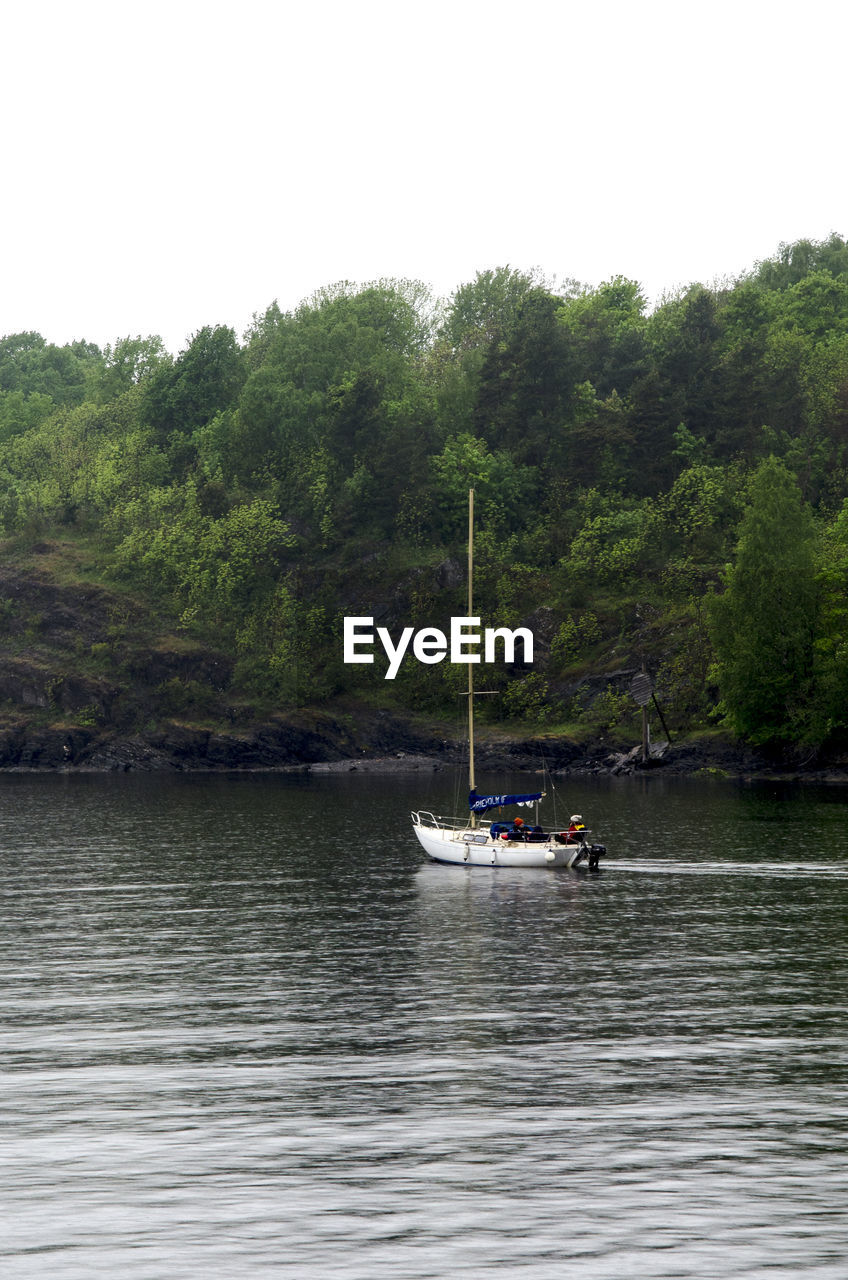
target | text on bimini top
[{"x": 432, "y": 645}]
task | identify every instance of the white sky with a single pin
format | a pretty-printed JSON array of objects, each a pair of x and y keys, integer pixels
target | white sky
[{"x": 171, "y": 165}]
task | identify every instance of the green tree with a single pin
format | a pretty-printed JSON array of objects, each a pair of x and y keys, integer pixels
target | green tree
[
  {"x": 527, "y": 383},
  {"x": 828, "y": 714},
  {"x": 763, "y": 625},
  {"x": 206, "y": 378},
  {"x": 33, "y": 366},
  {"x": 128, "y": 361},
  {"x": 683, "y": 335},
  {"x": 793, "y": 262},
  {"x": 466, "y": 463},
  {"x": 480, "y": 311},
  {"x": 607, "y": 328}
]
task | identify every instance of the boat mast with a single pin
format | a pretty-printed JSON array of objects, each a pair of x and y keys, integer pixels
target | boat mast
[{"x": 471, "y": 781}]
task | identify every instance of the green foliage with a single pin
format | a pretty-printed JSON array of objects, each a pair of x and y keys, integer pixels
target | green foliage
[
  {"x": 608, "y": 334},
  {"x": 480, "y": 311},
  {"x": 261, "y": 489},
  {"x": 618, "y": 542},
  {"x": 129, "y": 362},
  {"x": 576, "y": 636},
  {"x": 32, "y": 366},
  {"x": 206, "y": 378},
  {"x": 603, "y": 712},
  {"x": 20, "y": 412},
  {"x": 216, "y": 568},
  {"x": 527, "y": 699},
  {"x": 699, "y": 516},
  {"x": 763, "y": 624},
  {"x": 793, "y": 262},
  {"x": 827, "y": 710},
  {"x": 276, "y": 646},
  {"x": 501, "y": 487},
  {"x": 527, "y": 382}
]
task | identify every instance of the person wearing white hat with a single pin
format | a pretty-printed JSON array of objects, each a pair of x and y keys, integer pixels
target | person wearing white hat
[{"x": 577, "y": 828}]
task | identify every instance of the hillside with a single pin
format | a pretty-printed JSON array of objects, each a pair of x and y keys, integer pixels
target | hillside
[
  {"x": 664, "y": 490},
  {"x": 94, "y": 678}
]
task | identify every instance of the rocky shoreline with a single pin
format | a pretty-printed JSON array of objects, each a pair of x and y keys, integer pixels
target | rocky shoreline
[{"x": 371, "y": 743}]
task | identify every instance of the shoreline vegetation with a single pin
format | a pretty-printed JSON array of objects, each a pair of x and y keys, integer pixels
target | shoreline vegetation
[{"x": 661, "y": 492}]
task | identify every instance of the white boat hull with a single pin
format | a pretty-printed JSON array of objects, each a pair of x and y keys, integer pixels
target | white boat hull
[{"x": 476, "y": 848}]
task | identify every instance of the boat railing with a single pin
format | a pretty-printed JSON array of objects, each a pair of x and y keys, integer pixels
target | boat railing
[{"x": 439, "y": 821}]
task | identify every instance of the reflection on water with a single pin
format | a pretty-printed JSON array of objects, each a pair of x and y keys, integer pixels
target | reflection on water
[{"x": 248, "y": 1032}]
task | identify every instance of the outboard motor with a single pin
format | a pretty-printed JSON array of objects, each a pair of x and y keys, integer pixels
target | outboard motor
[{"x": 595, "y": 851}]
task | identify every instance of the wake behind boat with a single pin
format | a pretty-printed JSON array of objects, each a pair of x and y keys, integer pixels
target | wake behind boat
[{"x": 514, "y": 844}]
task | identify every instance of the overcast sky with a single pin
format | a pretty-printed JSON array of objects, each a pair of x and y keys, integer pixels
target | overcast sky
[{"x": 171, "y": 165}]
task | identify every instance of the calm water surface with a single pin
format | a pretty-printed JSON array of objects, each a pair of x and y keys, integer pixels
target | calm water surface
[{"x": 248, "y": 1032}]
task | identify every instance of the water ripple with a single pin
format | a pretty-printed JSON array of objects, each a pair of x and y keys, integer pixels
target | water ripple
[{"x": 224, "y": 1053}]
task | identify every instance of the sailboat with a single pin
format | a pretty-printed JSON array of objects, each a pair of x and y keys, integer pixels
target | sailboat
[{"x": 516, "y": 844}]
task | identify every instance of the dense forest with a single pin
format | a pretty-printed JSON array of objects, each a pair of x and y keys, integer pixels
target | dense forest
[{"x": 665, "y": 488}]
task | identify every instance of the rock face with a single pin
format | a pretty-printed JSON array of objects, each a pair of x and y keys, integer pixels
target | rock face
[
  {"x": 89, "y": 680},
  {"x": 83, "y": 669},
  {"x": 283, "y": 743}
]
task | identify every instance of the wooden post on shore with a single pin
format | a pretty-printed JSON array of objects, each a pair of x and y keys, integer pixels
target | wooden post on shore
[{"x": 640, "y": 690}]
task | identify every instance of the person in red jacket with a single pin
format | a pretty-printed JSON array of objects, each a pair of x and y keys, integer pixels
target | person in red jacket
[{"x": 577, "y": 829}]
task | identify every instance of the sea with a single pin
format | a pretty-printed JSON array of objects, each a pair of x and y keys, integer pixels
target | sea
[{"x": 249, "y": 1031}]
